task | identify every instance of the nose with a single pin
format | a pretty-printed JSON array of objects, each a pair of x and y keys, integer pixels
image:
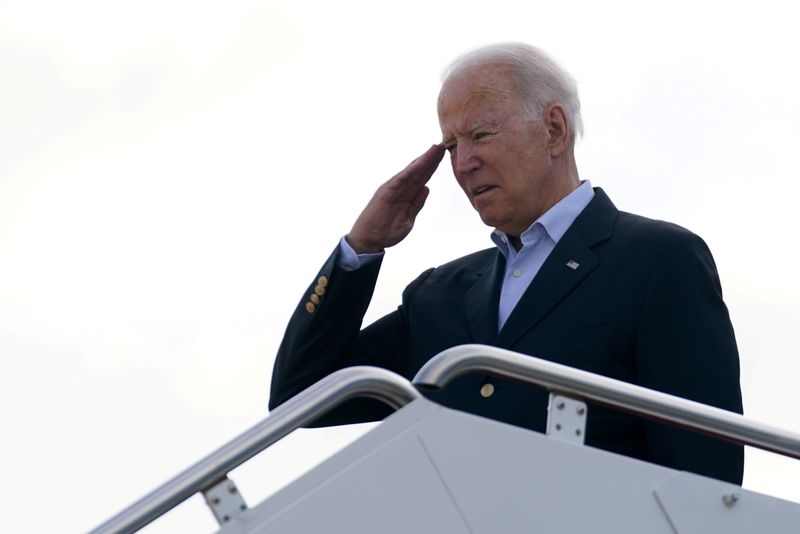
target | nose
[{"x": 464, "y": 160}]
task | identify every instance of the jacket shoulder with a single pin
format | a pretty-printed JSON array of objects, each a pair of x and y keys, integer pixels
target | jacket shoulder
[
  {"x": 643, "y": 231},
  {"x": 471, "y": 261},
  {"x": 455, "y": 271}
]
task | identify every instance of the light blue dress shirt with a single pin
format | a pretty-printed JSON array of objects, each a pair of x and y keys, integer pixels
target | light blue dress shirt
[{"x": 538, "y": 241}]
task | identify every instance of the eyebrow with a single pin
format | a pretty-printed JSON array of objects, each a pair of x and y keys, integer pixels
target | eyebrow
[{"x": 478, "y": 126}]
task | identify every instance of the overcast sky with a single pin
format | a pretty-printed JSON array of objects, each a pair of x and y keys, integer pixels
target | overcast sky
[{"x": 172, "y": 174}]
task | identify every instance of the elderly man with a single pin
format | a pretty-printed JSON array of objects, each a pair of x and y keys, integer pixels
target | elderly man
[{"x": 570, "y": 278}]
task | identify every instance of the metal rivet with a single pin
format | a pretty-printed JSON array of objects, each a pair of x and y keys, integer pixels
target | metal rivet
[
  {"x": 578, "y": 432},
  {"x": 242, "y": 507},
  {"x": 225, "y": 518},
  {"x": 560, "y": 405},
  {"x": 581, "y": 410},
  {"x": 231, "y": 488},
  {"x": 558, "y": 426},
  {"x": 730, "y": 499},
  {"x": 215, "y": 500}
]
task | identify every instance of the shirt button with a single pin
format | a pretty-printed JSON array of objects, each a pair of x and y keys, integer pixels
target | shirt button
[
  {"x": 517, "y": 273},
  {"x": 487, "y": 390}
]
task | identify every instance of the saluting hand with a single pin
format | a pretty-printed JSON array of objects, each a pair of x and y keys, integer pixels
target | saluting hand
[{"x": 389, "y": 216}]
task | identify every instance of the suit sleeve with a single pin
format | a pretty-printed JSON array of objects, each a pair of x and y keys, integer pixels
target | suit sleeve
[
  {"x": 686, "y": 347},
  {"x": 327, "y": 336}
]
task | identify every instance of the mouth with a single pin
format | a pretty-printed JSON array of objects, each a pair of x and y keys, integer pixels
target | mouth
[{"x": 482, "y": 190}]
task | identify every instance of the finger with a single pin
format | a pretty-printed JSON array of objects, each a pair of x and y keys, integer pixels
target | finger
[
  {"x": 418, "y": 202},
  {"x": 426, "y": 164},
  {"x": 427, "y": 154},
  {"x": 419, "y": 171},
  {"x": 434, "y": 158}
]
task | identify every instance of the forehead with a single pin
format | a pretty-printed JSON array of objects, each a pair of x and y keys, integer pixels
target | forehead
[{"x": 478, "y": 87}]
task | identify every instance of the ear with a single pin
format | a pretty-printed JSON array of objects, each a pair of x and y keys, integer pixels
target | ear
[{"x": 555, "y": 117}]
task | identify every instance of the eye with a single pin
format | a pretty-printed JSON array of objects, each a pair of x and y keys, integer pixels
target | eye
[
  {"x": 481, "y": 135},
  {"x": 451, "y": 147}
]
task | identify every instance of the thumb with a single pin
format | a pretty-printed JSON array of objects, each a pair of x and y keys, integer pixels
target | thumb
[{"x": 418, "y": 201}]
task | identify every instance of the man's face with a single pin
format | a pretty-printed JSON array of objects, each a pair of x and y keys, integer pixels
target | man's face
[{"x": 500, "y": 158}]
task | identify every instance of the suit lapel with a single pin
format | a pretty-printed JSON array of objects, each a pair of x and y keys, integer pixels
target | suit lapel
[
  {"x": 481, "y": 300},
  {"x": 559, "y": 274}
]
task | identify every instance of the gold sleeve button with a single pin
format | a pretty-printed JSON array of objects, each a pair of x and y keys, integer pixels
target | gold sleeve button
[
  {"x": 314, "y": 298},
  {"x": 487, "y": 390},
  {"x": 323, "y": 281},
  {"x": 319, "y": 290},
  {"x": 310, "y": 307}
]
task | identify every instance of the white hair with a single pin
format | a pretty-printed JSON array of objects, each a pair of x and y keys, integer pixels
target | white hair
[{"x": 540, "y": 80}]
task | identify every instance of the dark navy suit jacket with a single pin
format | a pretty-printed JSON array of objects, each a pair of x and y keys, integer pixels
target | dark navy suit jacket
[{"x": 644, "y": 305}]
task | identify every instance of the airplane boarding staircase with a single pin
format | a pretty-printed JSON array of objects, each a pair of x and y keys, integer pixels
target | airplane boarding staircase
[{"x": 427, "y": 468}]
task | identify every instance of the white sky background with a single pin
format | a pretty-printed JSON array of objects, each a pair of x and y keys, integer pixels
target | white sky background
[{"x": 172, "y": 174}]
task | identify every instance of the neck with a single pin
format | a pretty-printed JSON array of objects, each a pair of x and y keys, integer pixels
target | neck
[
  {"x": 565, "y": 181},
  {"x": 569, "y": 185}
]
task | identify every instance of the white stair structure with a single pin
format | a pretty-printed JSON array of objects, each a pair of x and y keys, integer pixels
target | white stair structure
[{"x": 427, "y": 468}]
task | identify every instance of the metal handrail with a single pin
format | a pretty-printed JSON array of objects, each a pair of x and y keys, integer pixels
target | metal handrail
[
  {"x": 360, "y": 381},
  {"x": 730, "y": 426}
]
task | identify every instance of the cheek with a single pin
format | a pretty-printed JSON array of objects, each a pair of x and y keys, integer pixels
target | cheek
[
  {"x": 463, "y": 188},
  {"x": 453, "y": 170},
  {"x": 461, "y": 184}
]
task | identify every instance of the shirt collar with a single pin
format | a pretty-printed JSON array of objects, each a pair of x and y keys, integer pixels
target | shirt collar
[{"x": 554, "y": 221}]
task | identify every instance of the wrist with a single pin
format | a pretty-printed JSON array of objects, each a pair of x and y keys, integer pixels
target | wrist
[{"x": 362, "y": 247}]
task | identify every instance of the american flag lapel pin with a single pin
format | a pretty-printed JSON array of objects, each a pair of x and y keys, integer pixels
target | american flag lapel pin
[{"x": 572, "y": 264}]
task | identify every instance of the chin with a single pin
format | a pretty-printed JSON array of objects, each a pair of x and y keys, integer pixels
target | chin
[
  {"x": 489, "y": 222},
  {"x": 494, "y": 222}
]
